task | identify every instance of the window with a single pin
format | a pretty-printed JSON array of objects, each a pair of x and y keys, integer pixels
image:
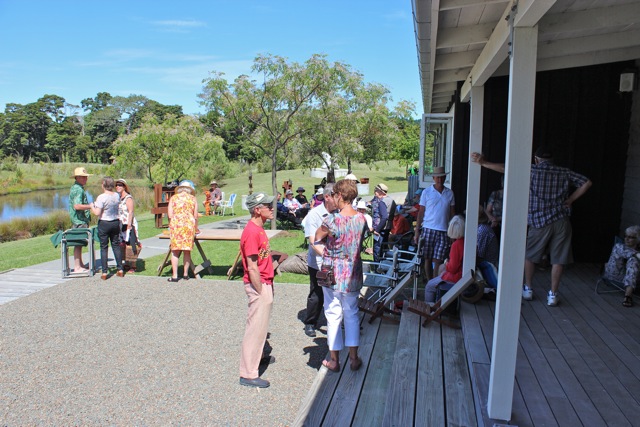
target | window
[{"x": 436, "y": 140}]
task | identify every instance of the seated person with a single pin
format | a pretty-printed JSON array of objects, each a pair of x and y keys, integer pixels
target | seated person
[
  {"x": 623, "y": 265},
  {"x": 412, "y": 206},
  {"x": 362, "y": 208},
  {"x": 451, "y": 270},
  {"x": 317, "y": 198},
  {"x": 284, "y": 214},
  {"x": 488, "y": 248},
  {"x": 212, "y": 199},
  {"x": 494, "y": 209},
  {"x": 294, "y": 206},
  {"x": 301, "y": 198},
  {"x": 400, "y": 226}
]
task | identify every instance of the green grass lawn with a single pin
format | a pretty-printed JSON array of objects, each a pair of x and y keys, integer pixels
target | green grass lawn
[{"x": 24, "y": 253}]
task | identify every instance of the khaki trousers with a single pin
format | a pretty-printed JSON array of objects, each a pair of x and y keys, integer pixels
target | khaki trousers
[{"x": 255, "y": 333}]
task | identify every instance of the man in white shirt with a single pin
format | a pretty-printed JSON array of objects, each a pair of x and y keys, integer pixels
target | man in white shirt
[
  {"x": 312, "y": 222},
  {"x": 437, "y": 207}
]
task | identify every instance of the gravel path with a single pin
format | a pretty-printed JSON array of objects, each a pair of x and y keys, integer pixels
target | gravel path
[{"x": 141, "y": 351}]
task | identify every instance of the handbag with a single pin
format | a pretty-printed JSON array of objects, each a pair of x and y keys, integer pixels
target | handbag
[{"x": 325, "y": 276}]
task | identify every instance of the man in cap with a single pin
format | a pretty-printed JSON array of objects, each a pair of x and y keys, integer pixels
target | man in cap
[
  {"x": 258, "y": 285},
  {"x": 437, "y": 207},
  {"x": 383, "y": 209},
  {"x": 79, "y": 211},
  {"x": 548, "y": 217},
  {"x": 312, "y": 222}
]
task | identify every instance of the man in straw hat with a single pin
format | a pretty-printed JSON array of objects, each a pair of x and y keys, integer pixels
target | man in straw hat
[
  {"x": 212, "y": 198},
  {"x": 258, "y": 284},
  {"x": 79, "y": 211},
  {"x": 437, "y": 207}
]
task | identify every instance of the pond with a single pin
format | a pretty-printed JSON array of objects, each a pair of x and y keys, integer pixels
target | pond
[{"x": 37, "y": 203}]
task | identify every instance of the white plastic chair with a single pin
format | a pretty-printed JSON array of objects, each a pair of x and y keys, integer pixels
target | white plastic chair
[{"x": 229, "y": 204}]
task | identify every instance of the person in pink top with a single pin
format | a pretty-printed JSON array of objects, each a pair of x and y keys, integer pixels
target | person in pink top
[{"x": 452, "y": 268}]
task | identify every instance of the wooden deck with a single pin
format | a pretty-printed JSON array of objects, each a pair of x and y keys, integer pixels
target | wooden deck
[{"x": 578, "y": 364}]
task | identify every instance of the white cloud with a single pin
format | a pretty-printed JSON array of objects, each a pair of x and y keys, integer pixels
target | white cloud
[{"x": 178, "y": 26}]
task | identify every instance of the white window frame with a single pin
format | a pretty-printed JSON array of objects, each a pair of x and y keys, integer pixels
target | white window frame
[{"x": 443, "y": 151}]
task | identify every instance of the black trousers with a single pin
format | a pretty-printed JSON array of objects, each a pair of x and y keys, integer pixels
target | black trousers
[
  {"x": 109, "y": 231},
  {"x": 315, "y": 300}
]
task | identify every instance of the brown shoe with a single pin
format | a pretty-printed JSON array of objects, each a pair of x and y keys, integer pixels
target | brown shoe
[
  {"x": 120, "y": 273},
  {"x": 104, "y": 276}
]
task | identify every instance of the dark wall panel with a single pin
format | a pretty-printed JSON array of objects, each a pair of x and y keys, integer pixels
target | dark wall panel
[{"x": 582, "y": 116}]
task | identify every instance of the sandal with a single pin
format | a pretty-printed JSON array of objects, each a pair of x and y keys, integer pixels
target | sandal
[
  {"x": 172, "y": 279},
  {"x": 185, "y": 277},
  {"x": 332, "y": 365},
  {"x": 628, "y": 301},
  {"x": 356, "y": 364}
]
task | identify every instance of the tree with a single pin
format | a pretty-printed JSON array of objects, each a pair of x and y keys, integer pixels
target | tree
[
  {"x": 407, "y": 147},
  {"x": 173, "y": 148},
  {"x": 266, "y": 112}
]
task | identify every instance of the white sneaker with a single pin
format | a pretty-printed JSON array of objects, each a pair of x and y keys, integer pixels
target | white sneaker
[
  {"x": 552, "y": 299},
  {"x": 527, "y": 293}
]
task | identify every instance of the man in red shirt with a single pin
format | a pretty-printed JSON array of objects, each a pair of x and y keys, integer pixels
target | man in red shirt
[{"x": 258, "y": 284}]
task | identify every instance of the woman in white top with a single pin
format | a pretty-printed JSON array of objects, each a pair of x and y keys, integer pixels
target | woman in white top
[{"x": 106, "y": 209}]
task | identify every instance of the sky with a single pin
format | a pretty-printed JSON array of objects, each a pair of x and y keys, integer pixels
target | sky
[{"x": 164, "y": 49}]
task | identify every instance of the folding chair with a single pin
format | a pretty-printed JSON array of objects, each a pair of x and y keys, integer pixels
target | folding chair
[
  {"x": 390, "y": 276},
  {"x": 72, "y": 238},
  {"x": 433, "y": 312},
  {"x": 616, "y": 285},
  {"x": 228, "y": 204}
]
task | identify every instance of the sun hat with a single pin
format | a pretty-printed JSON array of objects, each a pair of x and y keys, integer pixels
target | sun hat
[
  {"x": 320, "y": 191},
  {"x": 80, "y": 172},
  {"x": 213, "y": 182},
  {"x": 352, "y": 177},
  {"x": 381, "y": 188},
  {"x": 288, "y": 192},
  {"x": 257, "y": 199},
  {"x": 439, "y": 171},
  {"x": 189, "y": 185},
  {"x": 126, "y": 186},
  {"x": 361, "y": 204},
  {"x": 300, "y": 189}
]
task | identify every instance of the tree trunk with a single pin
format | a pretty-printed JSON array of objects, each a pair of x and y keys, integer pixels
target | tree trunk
[{"x": 274, "y": 188}]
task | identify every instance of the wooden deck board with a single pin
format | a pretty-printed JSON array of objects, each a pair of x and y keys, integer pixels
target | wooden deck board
[
  {"x": 430, "y": 389},
  {"x": 459, "y": 397}
]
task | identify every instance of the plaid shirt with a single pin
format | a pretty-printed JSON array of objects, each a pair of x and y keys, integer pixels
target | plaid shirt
[{"x": 548, "y": 190}]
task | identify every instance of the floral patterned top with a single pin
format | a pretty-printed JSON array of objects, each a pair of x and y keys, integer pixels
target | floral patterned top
[
  {"x": 342, "y": 250},
  {"x": 623, "y": 265},
  {"x": 182, "y": 227}
]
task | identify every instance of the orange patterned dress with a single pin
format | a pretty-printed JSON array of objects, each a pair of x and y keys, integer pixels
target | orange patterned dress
[{"x": 182, "y": 228}]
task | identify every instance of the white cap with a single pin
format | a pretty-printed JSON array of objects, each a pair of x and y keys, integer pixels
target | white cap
[
  {"x": 352, "y": 177},
  {"x": 361, "y": 205}
]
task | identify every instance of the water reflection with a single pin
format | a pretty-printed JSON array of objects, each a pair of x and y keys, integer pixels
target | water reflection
[{"x": 37, "y": 203}]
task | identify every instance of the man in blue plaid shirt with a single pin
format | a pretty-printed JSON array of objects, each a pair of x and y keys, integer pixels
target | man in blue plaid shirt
[{"x": 550, "y": 203}]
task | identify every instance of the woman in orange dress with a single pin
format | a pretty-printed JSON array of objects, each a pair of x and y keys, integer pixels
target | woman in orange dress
[{"x": 183, "y": 227}]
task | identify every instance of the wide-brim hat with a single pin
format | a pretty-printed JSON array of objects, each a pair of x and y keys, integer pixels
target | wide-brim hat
[
  {"x": 361, "y": 204},
  {"x": 320, "y": 191},
  {"x": 213, "y": 183},
  {"x": 382, "y": 188},
  {"x": 352, "y": 177},
  {"x": 300, "y": 189},
  {"x": 123, "y": 182},
  {"x": 188, "y": 185},
  {"x": 80, "y": 172},
  {"x": 256, "y": 199},
  {"x": 439, "y": 171}
]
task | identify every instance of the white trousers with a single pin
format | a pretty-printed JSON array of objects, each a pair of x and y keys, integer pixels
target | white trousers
[{"x": 339, "y": 306}]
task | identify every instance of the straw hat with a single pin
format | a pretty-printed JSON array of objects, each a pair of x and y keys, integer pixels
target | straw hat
[
  {"x": 80, "y": 172},
  {"x": 189, "y": 185},
  {"x": 123, "y": 182},
  {"x": 439, "y": 171}
]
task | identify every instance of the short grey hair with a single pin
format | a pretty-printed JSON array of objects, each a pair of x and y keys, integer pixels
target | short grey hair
[
  {"x": 634, "y": 229},
  {"x": 108, "y": 183},
  {"x": 328, "y": 189},
  {"x": 456, "y": 227}
]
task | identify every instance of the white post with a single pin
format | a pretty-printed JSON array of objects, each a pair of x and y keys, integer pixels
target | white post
[
  {"x": 473, "y": 179},
  {"x": 514, "y": 221}
]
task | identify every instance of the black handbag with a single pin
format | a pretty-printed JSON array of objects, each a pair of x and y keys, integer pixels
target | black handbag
[{"x": 325, "y": 277}]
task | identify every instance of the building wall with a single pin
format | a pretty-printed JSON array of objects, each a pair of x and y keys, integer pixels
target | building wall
[
  {"x": 581, "y": 115},
  {"x": 631, "y": 201}
]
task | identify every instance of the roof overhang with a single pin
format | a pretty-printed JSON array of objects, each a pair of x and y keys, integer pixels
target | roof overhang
[{"x": 468, "y": 40}]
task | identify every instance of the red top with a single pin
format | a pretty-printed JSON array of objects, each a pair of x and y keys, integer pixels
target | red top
[
  {"x": 453, "y": 269},
  {"x": 254, "y": 241}
]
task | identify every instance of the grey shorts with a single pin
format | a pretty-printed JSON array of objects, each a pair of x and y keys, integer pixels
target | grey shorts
[{"x": 556, "y": 236}]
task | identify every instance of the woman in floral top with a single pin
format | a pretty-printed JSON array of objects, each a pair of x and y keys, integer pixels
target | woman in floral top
[
  {"x": 183, "y": 226},
  {"x": 623, "y": 265},
  {"x": 342, "y": 233}
]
